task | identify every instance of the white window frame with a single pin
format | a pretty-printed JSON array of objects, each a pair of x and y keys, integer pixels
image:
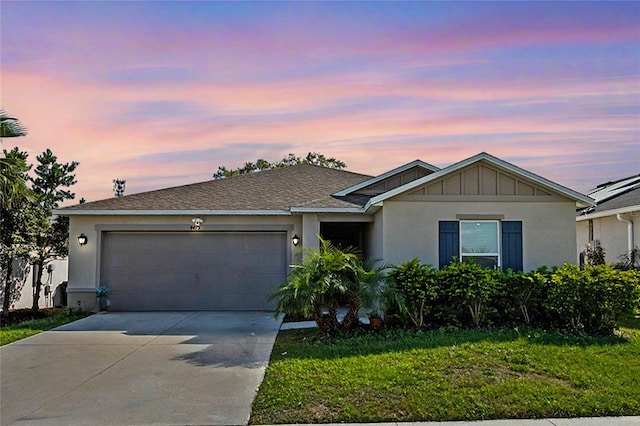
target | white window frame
[{"x": 487, "y": 254}]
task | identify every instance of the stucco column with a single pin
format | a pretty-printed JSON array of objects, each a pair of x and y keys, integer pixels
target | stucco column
[
  {"x": 83, "y": 264},
  {"x": 310, "y": 231}
]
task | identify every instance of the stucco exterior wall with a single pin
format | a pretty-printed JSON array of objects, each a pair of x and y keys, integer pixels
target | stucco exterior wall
[
  {"x": 611, "y": 233},
  {"x": 84, "y": 261},
  {"x": 374, "y": 237},
  {"x": 411, "y": 228},
  {"x": 310, "y": 231}
]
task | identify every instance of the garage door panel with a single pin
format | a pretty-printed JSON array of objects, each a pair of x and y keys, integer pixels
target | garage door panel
[
  {"x": 167, "y": 283},
  {"x": 232, "y": 299},
  {"x": 255, "y": 282},
  {"x": 118, "y": 261},
  {"x": 191, "y": 271},
  {"x": 270, "y": 267}
]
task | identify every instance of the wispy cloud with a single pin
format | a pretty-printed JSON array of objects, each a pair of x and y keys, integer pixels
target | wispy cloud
[{"x": 163, "y": 93}]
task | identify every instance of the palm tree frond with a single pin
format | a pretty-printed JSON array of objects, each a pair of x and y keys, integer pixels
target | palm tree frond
[{"x": 11, "y": 127}]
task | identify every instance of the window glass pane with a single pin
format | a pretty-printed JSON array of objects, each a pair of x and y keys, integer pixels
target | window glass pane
[
  {"x": 489, "y": 262},
  {"x": 479, "y": 237}
]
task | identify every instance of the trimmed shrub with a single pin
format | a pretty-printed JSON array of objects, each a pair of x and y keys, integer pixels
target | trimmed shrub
[
  {"x": 470, "y": 286},
  {"x": 523, "y": 298},
  {"x": 418, "y": 286},
  {"x": 593, "y": 300}
]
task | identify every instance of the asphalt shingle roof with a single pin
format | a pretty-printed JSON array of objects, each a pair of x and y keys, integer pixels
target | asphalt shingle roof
[{"x": 302, "y": 185}]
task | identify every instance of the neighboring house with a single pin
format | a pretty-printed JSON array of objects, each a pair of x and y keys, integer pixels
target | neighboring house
[
  {"x": 23, "y": 278},
  {"x": 614, "y": 222},
  {"x": 227, "y": 244}
]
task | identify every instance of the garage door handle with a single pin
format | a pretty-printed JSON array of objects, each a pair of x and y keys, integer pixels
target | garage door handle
[{"x": 197, "y": 276}]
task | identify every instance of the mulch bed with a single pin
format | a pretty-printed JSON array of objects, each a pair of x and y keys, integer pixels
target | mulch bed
[{"x": 21, "y": 315}]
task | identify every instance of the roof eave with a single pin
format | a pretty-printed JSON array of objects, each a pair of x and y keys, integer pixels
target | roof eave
[
  {"x": 605, "y": 213},
  {"x": 80, "y": 212},
  {"x": 328, "y": 210}
]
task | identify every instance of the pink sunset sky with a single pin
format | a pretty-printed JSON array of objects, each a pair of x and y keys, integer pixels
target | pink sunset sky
[{"x": 162, "y": 93}]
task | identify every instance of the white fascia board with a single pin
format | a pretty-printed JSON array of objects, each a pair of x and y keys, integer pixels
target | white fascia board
[
  {"x": 581, "y": 199},
  {"x": 605, "y": 213},
  {"x": 173, "y": 212},
  {"x": 327, "y": 210},
  {"x": 386, "y": 175}
]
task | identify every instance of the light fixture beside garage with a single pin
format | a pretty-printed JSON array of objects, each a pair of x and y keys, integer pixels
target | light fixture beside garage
[
  {"x": 295, "y": 240},
  {"x": 82, "y": 239},
  {"x": 196, "y": 223}
]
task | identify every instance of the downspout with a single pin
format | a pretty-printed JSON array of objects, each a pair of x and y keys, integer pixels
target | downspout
[{"x": 629, "y": 222}]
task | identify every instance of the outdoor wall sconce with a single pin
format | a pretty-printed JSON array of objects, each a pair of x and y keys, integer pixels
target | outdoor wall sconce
[
  {"x": 82, "y": 239},
  {"x": 295, "y": 240},
  {"x": 196, "y": 223}
]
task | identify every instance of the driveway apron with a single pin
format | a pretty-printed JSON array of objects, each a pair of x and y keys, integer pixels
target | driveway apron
[{"x": 126, "y": 368}]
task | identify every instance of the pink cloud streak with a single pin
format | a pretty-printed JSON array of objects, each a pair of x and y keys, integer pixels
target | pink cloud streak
[{"x": 375, "y": 96}]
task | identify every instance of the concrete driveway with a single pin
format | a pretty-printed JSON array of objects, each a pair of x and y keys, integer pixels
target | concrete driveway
[{"x": 125, "y": 368}]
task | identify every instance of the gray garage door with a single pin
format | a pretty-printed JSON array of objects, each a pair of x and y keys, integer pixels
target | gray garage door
[{"x": 194, "y": 270}]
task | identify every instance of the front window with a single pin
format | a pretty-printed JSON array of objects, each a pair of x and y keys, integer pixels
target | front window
[{"x": 479, "y": 241}]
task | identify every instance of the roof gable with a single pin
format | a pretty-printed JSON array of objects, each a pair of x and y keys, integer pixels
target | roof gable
[
  {"x": 481, "y": 179},
  {"x": 483, "y": 174},
  {"x": 391, "y": 179}
]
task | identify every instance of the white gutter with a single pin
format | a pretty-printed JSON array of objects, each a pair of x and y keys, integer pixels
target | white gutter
[
  {"x": 606, "y": 213},
  {"x": 327, "y": 210},
  {"x": 629, "y": 223}
]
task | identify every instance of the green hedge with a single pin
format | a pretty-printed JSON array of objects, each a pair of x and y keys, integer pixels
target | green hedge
[{"x": 592, "y": 300}]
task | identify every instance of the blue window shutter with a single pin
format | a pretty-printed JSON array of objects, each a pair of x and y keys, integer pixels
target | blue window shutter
[
  {"x": 512, "y": 245},
  {"x": 449, "y": 241}
]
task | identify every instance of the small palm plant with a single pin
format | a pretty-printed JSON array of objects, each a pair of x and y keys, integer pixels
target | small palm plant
[
  {"x": 370, "y": 290},
  {"x": 328, "y": 276},
  {"x": 316, "y": 284}
]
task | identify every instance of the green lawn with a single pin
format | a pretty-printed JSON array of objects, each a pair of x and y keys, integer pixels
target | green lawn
[
  {"x": 54, "y": 318},
  {"x": 448, "y": 375}
]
